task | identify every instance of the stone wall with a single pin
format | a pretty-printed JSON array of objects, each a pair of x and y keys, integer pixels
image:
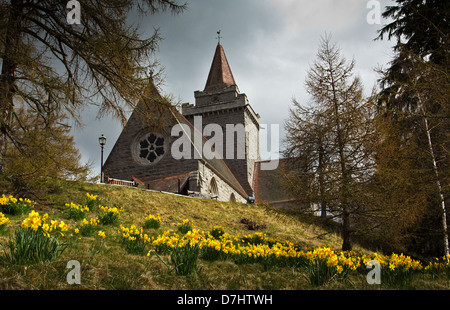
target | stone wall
[
  {"x": 224, "y": 190},
  {"x": 123, "y": 162}
]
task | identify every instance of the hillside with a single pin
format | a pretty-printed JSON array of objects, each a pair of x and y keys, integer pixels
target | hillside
[{"x": 105, "y": 264}]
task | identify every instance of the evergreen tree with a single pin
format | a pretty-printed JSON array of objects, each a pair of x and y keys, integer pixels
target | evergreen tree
[{"x": 414, "y": 98}]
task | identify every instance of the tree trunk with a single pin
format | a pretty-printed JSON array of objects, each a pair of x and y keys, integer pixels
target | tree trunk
[
  {"x": 438, "y": 182},
  {"x": 7, "y": 76},
  {"x": 346, "y": 243},
  {"x": 320, "y": 171}
]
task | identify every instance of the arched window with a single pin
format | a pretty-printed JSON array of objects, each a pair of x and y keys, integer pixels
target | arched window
[
  {"x": 232, "y": 198},
  {"x": 214, "y": 190}
]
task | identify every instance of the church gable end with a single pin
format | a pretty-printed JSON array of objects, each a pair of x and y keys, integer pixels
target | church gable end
[{"x": 143, "y": 151}]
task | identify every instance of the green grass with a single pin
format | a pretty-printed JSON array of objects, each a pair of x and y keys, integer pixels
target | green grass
[{"x": 105, "y": 263}]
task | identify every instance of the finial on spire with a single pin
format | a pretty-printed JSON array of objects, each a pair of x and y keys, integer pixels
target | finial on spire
[{"x": 218, "y": 37}]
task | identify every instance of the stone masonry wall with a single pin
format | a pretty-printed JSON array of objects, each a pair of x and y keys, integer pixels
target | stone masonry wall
[
  {"x": 224, "y": 190},
  {"x": 122, "y": 164}
]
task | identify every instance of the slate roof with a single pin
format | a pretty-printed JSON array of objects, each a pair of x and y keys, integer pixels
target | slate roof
[
  {"x": 220, "y": 75},
  {"x": 170, "y": 184},
  {"x": 268, "y": 186}
]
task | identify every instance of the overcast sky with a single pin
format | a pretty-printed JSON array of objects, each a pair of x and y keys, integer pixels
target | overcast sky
[{"x": 270, "y": 45}]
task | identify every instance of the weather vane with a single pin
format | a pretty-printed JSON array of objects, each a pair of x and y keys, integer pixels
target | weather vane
[{"x": 218, "y": 36}]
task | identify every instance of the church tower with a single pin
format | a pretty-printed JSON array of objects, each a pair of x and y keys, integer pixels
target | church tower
[{"x": 222, "y": 103}]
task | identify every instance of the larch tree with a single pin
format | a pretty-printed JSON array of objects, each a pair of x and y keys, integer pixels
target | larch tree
[
  {"x": 50, "y": 63},
  {"x": 330, "y": 139}
]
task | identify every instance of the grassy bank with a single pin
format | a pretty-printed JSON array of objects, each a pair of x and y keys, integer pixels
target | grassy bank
[{"x": 106, "y": 263}]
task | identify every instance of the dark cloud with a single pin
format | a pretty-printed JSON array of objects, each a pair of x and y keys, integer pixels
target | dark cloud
[{"x": 269, "y": 44}]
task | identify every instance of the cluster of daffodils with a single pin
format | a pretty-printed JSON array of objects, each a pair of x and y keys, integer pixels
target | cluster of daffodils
[
  {"x": 153, "y": 217},
  {"x": 113, "y": 210},
  {"x": 4, "y": 200},
  {"x": 133, "y": 239},
  {"x": 78, "y": 207},
  {"x": 91, "y": 197},
  {"x": 3, "y": 221},
  {"x": 76, "y": 211},
  {"x": 134, "y": 233},
  {"x": 102, "y": 234},
  {"x": 258, "y": 248},
  {"x": 152, "y": 221},
  {"x": 40, "y": 223},
  {"x": 12, "y": 205},
  {"x": 438, "y": 264},
  {"x": 87, "y": 227},
  {"x": 92, "y": 222}
]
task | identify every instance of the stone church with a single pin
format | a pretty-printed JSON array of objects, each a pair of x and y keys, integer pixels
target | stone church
[{"x": 147, "y": 152}]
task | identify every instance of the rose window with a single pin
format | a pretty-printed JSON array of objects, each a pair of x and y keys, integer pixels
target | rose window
[{"x": 151, "y": 147}]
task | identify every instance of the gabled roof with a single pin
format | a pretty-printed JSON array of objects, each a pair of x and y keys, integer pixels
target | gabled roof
[
  {"x": 220, "y": 75},
  {"x": 267, "y": 184}
]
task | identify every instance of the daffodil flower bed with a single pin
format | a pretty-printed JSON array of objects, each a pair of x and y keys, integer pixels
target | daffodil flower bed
[
  {"x": 184, "y": 251},
  {"x": 321, "y": 264},
  {"x": 14, "y": 206},
  {"x": 185, "y": 226},
  {"x": 39, "y": 238},
  {"x": 36, "y": 240},
  {"x": 92, "y": 201}
]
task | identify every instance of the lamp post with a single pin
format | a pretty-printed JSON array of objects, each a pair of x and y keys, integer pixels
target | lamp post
[{"x": 102, "y": 141}]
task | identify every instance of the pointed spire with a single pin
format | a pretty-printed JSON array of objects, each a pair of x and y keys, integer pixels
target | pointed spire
[{"x": 220, "y": 75}]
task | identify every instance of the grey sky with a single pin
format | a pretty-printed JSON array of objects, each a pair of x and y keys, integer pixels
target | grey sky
[{"x": 270, "y": 45}]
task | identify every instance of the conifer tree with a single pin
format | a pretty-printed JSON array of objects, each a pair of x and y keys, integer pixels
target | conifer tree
[
  {"x": 49, "y": 61},
  {"x": 330, "y": 138},
  {"x": 414, "y": 98}
]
